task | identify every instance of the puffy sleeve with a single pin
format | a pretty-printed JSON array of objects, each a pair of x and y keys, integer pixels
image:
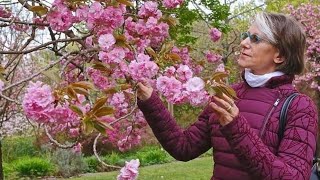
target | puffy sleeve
[{"x": 182, "y": 144}]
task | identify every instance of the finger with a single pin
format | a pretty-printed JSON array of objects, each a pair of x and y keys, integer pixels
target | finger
[
  {"x": 218, "y": 109},
  {"x": 222, "y": 103},
  {"x": 228, "y": 99}
]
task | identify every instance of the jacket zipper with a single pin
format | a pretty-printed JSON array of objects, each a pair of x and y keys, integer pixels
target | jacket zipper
[{"x": 266, "y": 119}]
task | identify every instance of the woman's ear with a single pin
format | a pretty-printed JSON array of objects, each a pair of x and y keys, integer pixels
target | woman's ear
[{"x": 278, "y": 59}]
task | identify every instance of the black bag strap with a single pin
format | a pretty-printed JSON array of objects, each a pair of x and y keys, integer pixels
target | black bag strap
[{"x": 283, "y": 115}]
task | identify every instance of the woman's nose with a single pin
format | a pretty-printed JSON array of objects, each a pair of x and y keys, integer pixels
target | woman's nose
[{"x": 245, "y": 43}]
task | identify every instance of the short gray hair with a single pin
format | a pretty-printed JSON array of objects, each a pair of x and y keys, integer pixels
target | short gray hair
[{"x": 266, "y": 26}]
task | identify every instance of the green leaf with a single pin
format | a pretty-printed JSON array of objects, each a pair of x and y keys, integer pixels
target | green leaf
[
  {"x": 40, "y": 10},
  {"x": 76, "y": 109},
  {"x": 104, "y": 111},
  {"x": 53, "y": 75},
  {"x": 99, "y": 103}
]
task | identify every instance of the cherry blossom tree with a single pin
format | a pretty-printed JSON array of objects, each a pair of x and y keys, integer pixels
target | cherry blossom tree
[{"x": 102, "y": 49}]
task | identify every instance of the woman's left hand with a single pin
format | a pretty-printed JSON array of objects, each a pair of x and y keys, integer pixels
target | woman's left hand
[{"x": 226, "y": 109}]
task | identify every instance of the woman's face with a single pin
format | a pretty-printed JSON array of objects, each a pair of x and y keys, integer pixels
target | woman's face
[{"x": 261, "y": 56}]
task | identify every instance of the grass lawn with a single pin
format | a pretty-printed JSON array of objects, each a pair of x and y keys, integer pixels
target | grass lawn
[{"x": 197, "y": 169}]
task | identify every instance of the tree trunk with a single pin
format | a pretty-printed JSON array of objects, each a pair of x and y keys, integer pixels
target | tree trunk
[{"x": 1, "y": 168}]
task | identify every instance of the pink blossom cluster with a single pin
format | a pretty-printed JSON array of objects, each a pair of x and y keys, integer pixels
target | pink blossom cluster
[
  {"x": 131, "y": 139},
  {"x": 100, "y": 19},
  {"x": 180, "y": 86},
  {"x": 186, "y": 59},
  {"x": 150, "y": 9},
  {"x": 150, "y": 32},
  {"x": 172, "y": 3},
  {"x": 4, "y": 12},
  {"x": 129, "y": 171},
  {"x": 72, "y": 73},
  {"x": 215, "y": 34},
  {"x": 99, "y": 80},
  {"x": 38, "y": 101},
  {"x": 143, "y": 68},
  {"x": 123, "y": 135},
  {"x": 38, "y": 105},
  {"x": 213, "y": 57},
  {"x": 60, "y": 17}
]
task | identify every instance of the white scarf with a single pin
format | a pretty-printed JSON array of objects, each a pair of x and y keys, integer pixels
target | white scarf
[{"x": 259, "y": 80}]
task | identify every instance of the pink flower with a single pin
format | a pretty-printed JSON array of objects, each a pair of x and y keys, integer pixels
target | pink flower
[
  {"x": 172, "y": 3},
  {"x": 106, "y": 41},
  {"x": 215, "y": 34},
  {"x": 150, "y": 9},
  {"x": 184, "y": 73},
  {"x": 1, "y": 85},
  {"x": 37, "y": 101},
  {"x": 77, "y": 148},
  {"x": 129, "y": 171},
  {"x": 143, "y": 68},
  {"x": 212, "y": 57},
  {"x": 194, "y": 84},
  {"x": 220, "y": 68},
  {"x": 60, "y": 18}
]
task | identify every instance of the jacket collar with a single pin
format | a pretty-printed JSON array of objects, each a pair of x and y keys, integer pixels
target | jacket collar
[{"x": 275, "y": 82}]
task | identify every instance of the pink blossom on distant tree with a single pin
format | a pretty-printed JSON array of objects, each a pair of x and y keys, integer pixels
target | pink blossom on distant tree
[
  {"x": 215, "y": 34},
  {"x": 129, "y": 171},
  {"x": 1, "y": 85}
]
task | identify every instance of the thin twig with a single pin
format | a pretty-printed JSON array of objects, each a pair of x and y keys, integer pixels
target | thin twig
[
  {"x": 64, "y": 146},
  {"x": 48, "y": 67},
  {"x": 97, "y": 156},
  {"x": 21, "y": 22},
  {"x": 9, "y": 99},
  {"x": 41, "y": 46},
  {"x": 129, "y": 114}
]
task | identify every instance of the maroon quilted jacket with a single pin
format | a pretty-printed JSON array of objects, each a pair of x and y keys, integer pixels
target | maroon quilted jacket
[{"x": 248, "y": 147}]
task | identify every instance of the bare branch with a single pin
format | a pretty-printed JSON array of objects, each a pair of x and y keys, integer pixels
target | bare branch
[
  {"x": 48, "y": 67},
  {"x": 97, "y": 156},
  {"x": 21, "y": 22},
  {"x": 9, "y": 99},
  {"x": 41, "y": 46},
  {"x": 243, "y": 12},
  {"x": 64, "y": 146}
]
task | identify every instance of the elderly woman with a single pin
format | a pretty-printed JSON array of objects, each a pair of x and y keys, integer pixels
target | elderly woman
[{"x": 244, "y": 133}]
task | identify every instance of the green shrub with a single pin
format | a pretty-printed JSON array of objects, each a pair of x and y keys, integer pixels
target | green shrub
[
  {"x": 114, "y": 159},
  {"x": 33, "y": 166},
  {"x": 16, "y": 147},
  {"x": 68, "y": 163},
  {"x": 152, "y": 155},
  {"x": 9, "y": 171},
  {"x": 92, "y": 164}
]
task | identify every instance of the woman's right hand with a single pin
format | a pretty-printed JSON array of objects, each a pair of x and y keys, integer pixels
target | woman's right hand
[{"x": 144, "y": 91}]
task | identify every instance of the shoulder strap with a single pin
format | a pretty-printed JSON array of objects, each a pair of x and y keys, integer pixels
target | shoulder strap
[{"x": 283, "y": 115}]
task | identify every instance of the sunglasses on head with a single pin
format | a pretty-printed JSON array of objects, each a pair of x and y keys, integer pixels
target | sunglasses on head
[{"x": 253, "y": 37}]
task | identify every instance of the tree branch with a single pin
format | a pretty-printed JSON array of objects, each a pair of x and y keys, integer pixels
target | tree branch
[
  {"x": 243, "y": 12},
  {"x": 48, "y": 67}
]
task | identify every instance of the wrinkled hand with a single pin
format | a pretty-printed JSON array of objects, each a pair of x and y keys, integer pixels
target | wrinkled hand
[
  {"x": 144, "y": 91},
  {"x": 225, "y": 108}
]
